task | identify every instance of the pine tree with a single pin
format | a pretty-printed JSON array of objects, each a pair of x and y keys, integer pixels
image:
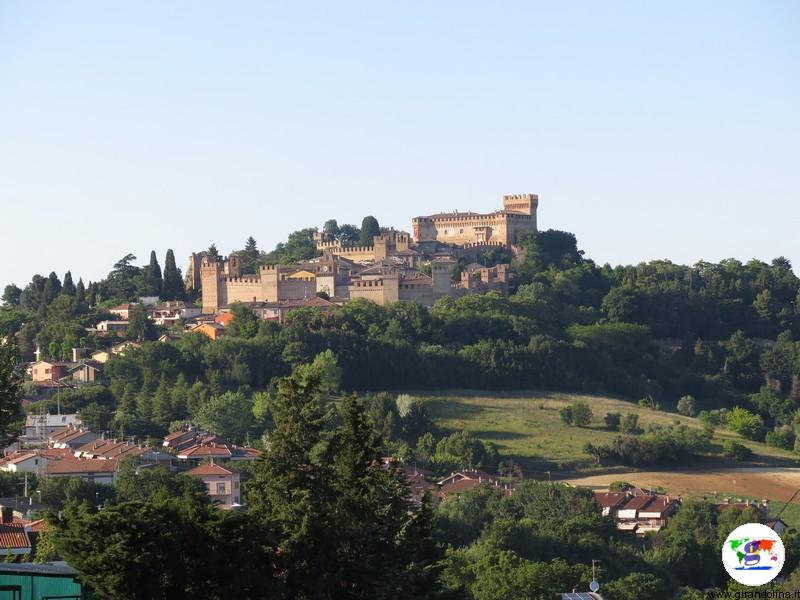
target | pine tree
[
  {"x": 68, "y": 287},
  {"x": 163, "y": 414},
  {"x": 179, "y": 396},
  {"x": 212, "y": 251},
  {"x": 290, "y": 490},
  {"x": 80, "y": 293},
  {"x": 173, "y": 283}
]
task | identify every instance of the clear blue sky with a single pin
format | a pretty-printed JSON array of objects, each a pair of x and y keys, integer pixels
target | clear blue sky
[{"x": 651, "y": 130}]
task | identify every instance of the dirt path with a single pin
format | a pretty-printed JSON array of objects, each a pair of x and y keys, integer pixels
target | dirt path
[{"x": 774, "y": 484}]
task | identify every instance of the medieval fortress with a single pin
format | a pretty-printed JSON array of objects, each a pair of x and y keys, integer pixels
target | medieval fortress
[{"x": 395, "y": 267}]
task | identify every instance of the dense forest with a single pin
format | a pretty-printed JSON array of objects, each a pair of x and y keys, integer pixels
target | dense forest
[{"x": 330, "y": 394}]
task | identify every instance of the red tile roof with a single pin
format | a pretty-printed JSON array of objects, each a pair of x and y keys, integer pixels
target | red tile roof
[
  {"x": 13, "y": 536},
  {"x": 209, "y": 469},
  {"x": 69, "y": 466}
]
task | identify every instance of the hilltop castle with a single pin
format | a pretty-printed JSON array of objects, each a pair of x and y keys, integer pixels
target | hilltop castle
[{"x": 395, "y": 267}]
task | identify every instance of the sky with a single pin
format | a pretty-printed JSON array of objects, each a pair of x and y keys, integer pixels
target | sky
[{"x": 652, "y": 130}]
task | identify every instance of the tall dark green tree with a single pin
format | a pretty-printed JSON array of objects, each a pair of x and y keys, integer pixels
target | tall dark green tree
[
  {"x": 151, "y": 281},
  {"x": 80, "y": 293},
  {"x": 344, "y": 522},
  {"x": 173, "y": 283},
  {"x": 10, "y": 393},
  {"x": 52, "y": 288},
  {"x": 11, "y": 295},
  {"x": 68, "y": 287},
  {"x": 121, "y": 283},
  {"x": 212, "y": 251},
  {"x": 369, "y": 229},
  {"x": 249, "y": 256}
]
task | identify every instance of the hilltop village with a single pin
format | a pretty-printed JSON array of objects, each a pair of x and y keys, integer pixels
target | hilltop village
[{"x": 396, "y": 266}]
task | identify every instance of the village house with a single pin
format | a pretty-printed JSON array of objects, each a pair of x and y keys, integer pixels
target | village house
[
  {"x": 104, "y": 449},
  {"x": 96, "y": 470},
  {"x": 167, "y": 314},
  {"x": 102, "y": 356},
  {"x": 85, "y": 372},
  {"x": 14, "y": 535},
  {"x": 222, "y": 484},
  {"x": 44, "y": 370},
  {"x": 123, "y": 311},
  {"x": 637, "y": 511},
  {"x": 39, "y": 427},
  {"x": 212, "y": 331},
  {"x": 463, "y": 481},
  {"x": 71, "y": 438},
  {"x": 112, "y": 326}
]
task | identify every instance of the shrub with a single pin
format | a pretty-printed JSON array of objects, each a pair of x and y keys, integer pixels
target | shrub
[
  {"x": 781, "y": 437},
  {"x": 745, "y": 423},
  {"x": 577, "y": 414},
  {"x": 612, "y": 421},
  {"x": 630, "y": 424},
  {"x": 735, "y": 450},
  {"x": 687, "y": 406}
]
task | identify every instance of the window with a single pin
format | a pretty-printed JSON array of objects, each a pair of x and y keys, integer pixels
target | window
[
  {"x": 221, "y": 488},
  {"x": 236, "y": 485}
]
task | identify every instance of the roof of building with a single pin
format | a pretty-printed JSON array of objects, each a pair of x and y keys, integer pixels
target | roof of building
[
  {"x": 224, "y": 318},
  {"x": 67, "y": 466},
  {"x": 110, "y": 449},
  {"x": 126, "y": 306},
  {"x": 13, "y": 536},
  {"x": 210, "y": 469},
  {"x": 38, "y": 568},
  {"x": 313, "y": 301},
  {"x": 609, "y": 499}
]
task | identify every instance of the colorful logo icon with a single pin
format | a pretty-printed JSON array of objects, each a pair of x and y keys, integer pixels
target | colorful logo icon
[{"x": 753, "y": 554}]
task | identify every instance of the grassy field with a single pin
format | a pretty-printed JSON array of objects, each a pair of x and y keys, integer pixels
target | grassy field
[{"x": 527, "y": 426}]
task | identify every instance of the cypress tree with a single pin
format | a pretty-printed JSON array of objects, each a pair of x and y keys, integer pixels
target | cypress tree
[
  {"x": 68, "y": 287},
  {"x": 172, "y": 288},
  {"x": 80, "y": 292},
  {"x": 92, "y": 295},
  {"x": 151, "y": 277},
  {"x": 52, "y": 288}
]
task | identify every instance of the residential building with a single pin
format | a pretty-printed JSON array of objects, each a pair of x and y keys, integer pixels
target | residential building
[
  {"x": 213, "y": 331},
  {"x": 123, "y": 311},
  {"x": 39, "y": 427},
  {"x": 637, "y": 511},
  {"x": 87, "y": 371},
  {"x": 44, "y": 370},
  {"x": 71, "y": 438},
  {"x": 14, "y": 538},
  {"x": 112, "y": 326},
  {"x": 97, "y": 470},
  {"x": 222, "y": 484}
]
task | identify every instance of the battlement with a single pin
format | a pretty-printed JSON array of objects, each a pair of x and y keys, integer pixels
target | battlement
[
  {"x": 245, "y": 280},
  {"x": 350, "y": 249}
]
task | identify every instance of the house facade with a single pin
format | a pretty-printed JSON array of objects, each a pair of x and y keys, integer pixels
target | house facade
[{"x": 223, "y": 485}]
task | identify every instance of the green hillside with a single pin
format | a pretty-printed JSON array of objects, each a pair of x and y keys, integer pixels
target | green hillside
[{"x": 527, "y": 426}]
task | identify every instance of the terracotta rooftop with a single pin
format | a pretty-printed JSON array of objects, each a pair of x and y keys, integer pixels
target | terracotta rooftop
[
  {"x": 209, "y": 469},
  {"x": 68, "y": 466},
  {"x": 13, "y": 536}
]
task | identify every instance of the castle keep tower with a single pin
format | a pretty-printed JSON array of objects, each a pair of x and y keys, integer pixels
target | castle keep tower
[{"x": 467, "y": 229}]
